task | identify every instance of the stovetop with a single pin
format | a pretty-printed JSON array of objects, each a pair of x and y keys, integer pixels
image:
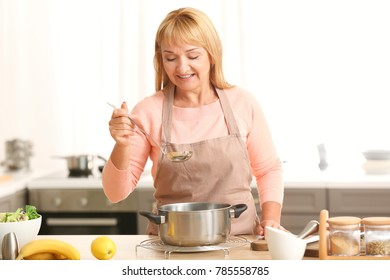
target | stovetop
[
  {"x": 65, "y": 174},
  {"x": 62, "y": 179}
]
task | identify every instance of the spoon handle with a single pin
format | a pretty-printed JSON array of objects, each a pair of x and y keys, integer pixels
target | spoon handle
[
  {"x": 143, "y": 131},
  {"x": 147, "y": 135},
  {"x": 310, "y": 228}
]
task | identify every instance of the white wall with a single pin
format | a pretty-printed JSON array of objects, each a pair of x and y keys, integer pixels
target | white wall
[
  {"x": 323, "y": 74},
  {"x": 319, "y": 69}
]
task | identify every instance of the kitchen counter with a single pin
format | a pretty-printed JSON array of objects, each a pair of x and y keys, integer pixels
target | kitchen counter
[
  {"x": 126, "y": 249},
  {"x": 292, "y": 179},
  {"x": 18, "y": 180},
  {"x": 306, "y": 194}
]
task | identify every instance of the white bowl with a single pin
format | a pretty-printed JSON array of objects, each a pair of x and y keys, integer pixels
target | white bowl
[
  {"x": 377, "y": 154},
  {"x": 25, "y": 231},
  {"x": 284, "y": 245}
]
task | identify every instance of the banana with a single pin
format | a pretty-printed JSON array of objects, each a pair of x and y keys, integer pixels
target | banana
[
  {"x": 60, "y": 257},
  {"x": 45, "y": 256},
  {"x": 41, "y": 256},
  {"x": 59, "y": 250}
]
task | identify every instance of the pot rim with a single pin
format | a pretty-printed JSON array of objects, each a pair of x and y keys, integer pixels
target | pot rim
[
  {"x": 80, "y": 156},
  {"x": 217, "y": 206}
]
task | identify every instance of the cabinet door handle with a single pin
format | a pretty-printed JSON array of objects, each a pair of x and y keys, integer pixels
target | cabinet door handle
[{"x": 81, "y": 222}]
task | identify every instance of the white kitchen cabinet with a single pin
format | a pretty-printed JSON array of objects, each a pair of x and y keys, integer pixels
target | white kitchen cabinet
[
  {"x": 12, "y": 202},
  {"x": 360, "y": 202}
]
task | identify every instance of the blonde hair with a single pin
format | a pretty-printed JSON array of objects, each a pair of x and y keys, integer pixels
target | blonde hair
[{"x": 189, "y": 26}]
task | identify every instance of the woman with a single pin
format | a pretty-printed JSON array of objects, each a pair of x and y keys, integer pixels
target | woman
[{"x": 195, "y": 109}]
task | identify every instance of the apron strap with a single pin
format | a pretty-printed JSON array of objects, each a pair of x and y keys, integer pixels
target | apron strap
[
  {"x": 168, "y": 112},
  {"x": 228, "y": 112},
  {"x": 167, "y": 115}
]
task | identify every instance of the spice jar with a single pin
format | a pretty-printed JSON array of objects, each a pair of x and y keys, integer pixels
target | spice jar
[
  {"x": 344, "y": 236},
  {"x": 377, "y": 235}
]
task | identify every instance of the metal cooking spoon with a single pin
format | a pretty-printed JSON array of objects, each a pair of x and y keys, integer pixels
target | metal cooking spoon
[
  {"x": 172, "y": 156},
  {"x": 310, "y": 228}
]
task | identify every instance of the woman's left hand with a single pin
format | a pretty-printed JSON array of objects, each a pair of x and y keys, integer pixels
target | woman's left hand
[
  {"x": 270, "y": 217},
  {"x": 270, "y": 223}
]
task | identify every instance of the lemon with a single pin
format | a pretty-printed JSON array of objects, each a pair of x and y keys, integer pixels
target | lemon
[{"x": 103, "y": 248}]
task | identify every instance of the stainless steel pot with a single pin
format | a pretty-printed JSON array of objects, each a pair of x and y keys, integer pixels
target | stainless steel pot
[
  {"x": 194, "y": 223},
  {"x": 81, "y": 164}
]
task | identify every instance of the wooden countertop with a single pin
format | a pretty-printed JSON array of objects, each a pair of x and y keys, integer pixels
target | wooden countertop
[{"x": 127, "y": 249}]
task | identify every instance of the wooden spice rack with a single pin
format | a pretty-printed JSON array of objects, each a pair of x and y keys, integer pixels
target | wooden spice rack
[{"x": 323, "y": 244}]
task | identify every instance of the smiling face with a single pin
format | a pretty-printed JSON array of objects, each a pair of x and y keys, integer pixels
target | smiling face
[
  {"x": 187, "y": 66},
  {"x": 182, "y": 30}
]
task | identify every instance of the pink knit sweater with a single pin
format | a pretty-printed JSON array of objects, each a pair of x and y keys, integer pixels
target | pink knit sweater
[{"x": 196, "y": 124}]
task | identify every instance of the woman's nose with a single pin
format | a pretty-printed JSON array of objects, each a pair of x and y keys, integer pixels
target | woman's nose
[{"x": 182, "y": 66}]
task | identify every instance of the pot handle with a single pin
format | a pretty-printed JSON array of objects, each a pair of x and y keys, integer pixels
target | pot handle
[
  {"x": 237, "y": 210},
  {"x": 104, "y": 161},
  {"x": 156, "y": 219},
  {"x": 102, "y": 158}
]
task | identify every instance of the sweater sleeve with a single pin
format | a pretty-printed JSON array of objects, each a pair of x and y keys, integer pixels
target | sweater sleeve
[
  {"x": 265, "y": 162},
  {"x": 119, "y": 184}
]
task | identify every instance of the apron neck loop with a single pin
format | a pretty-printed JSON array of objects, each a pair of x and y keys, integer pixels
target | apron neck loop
[
  {"x": 167, "y": 115},
  {"x": 168, "y": 112},
  {"x": 228, "y": 113}
]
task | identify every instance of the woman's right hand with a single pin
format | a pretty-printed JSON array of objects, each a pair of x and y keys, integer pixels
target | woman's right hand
[{"x": 121, "y": 128}]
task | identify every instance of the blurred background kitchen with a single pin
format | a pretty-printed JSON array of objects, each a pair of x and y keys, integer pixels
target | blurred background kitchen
[{"x": 320, "y": 70}]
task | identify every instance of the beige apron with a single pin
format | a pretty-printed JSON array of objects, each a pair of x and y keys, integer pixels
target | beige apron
[{"x": 218, "y": 171}]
